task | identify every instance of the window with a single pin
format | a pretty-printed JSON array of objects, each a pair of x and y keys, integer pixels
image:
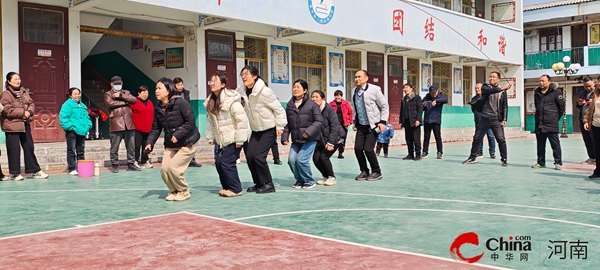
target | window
[
  {"x": 412, "y": 70},
  {"x": 447, "y": 4},
  {"x": 220, "y": 47},
  {"x": 467, "y": 84},
  {"x": 256, "y": 55},
  {"x": 442, "y": 77},
  {"x": 43, "y": 26},
  {"x": 467, "y": 7},
  {"x": 308, "y": 63},
  {"x": 480, "y": 75},
  {"x": 353, "y": 64},
  {"x": 550, "y": 39}
]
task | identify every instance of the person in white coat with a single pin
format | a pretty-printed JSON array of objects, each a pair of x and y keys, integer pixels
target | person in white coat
[
  {"x": 267, "y": 121},
  {"x": 227, "y": 127}
]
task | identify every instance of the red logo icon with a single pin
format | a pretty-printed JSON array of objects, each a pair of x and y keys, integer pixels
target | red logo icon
[{"x": 465, "y": 238}]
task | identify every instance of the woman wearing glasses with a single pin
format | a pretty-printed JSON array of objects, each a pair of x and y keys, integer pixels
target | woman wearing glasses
[
  {"x": 227, "y": 127},
  {"x": 267, "y": 120}
]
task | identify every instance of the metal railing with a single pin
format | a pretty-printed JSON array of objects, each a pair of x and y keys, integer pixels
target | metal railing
[{"x": 545, "y": 59}]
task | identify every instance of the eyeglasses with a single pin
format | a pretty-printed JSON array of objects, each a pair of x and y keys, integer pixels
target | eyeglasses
[
  {"x": 245, "y": 74},
  {"x": 211, "y": 83}
]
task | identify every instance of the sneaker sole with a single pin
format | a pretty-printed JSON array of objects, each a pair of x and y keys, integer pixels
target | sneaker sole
[
  {"x": 265, "y": 192},
  {"x": 297, "y": 186},
  {"x": 328, "y": 185},
  {"x": 360, "y": 179},
  {"x": 375, "y": 179},
  {"x": 309, "y": 187}
]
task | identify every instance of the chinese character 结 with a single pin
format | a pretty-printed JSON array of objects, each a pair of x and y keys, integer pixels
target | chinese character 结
[{"x": 429, "y": 29}]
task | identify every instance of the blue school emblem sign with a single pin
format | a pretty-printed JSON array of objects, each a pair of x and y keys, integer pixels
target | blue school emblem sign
[{"x": 321, "y": 10}]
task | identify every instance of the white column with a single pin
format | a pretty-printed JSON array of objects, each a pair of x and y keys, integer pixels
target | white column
[
  {"x": 201, "y": 59},
  {"x": 192, "y": 51},
  {"x": 10, "y": 36},
  {"x": 74, "y": 50}
]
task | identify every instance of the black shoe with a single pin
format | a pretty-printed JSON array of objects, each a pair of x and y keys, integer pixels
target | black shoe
[
  {"x": 417, "y": 158},
  {"x": 114, "y": 169},
  {"x": 385, "y": 155},
  {"x": 470, "y": 161},
  {"x": 193, "y": 163},
  {"x": 267, "y": 188},
  {"x": 277, "y": 161},
  {"x": 424, "y": 156},
  {"x": 492, "y": 156},
  {"x": 131, "y": 167},
  {"x": 340, "y": 156},
  {"x": 439, "y": 155},
  {"x": 479, "y": 155},
  {"x": 504, "y": 163},
  {"x": 594, "y": 177},
  {"x": 252, "y": 188},
  {"x": 374, "y": 176},
  {"x": 362, "y": 176},
  {"x": 409, "y": 157}
]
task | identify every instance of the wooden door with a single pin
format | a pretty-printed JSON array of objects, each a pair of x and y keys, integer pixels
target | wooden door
[
  {"x": 578, "y": 41},
  {"x": 395, "y": 93},
  {"x": 375, "y": 69},
  {"x": 220, "y": 52},
  {"x": 43, "y": 56}
]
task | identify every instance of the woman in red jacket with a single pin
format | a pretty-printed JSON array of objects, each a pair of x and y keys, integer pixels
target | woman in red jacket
[
  {"x": 344, "y": 114},
  {"x": 143, "y": 116}
]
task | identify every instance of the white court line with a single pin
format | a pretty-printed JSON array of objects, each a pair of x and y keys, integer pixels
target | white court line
[
  {"x": 415, "y": 209},
  {"x": 235, "y": 221},
  {"x": 79, "y": 226},
  {"x": 445, "y": 200}
]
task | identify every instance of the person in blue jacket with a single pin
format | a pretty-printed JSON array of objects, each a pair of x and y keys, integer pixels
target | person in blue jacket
[
  {"x": 76, "y": 122},
  {"x": 432, "y": 105},
  {"x": 384, "y": 140}
]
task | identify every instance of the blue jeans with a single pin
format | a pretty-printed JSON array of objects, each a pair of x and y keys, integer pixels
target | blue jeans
[
  {"x": 299, "y": 161},
  {"x": 491, "y": 141}
]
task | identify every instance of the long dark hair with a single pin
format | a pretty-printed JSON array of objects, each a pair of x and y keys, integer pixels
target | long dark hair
[
  {"x": 9, "y": 77},
  {"x": 214, "y": 103},
  {"x": 254, "y": 72},
  {"x": 169, "y": 85}
]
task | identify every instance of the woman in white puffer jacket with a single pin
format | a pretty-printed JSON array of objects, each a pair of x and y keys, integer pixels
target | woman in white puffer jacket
[
  {"x": 227, "y": 126},
  {"x": 267, "y": 120}
]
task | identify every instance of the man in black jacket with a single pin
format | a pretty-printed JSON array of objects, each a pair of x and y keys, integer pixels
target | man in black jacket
[
  {"x": 549, "y": 107},
  {"x": 583, "y": 104},
  {"x": 493, "y": 105},
  {"x": 186, "y": 95},
  {"x": 411, "y": 116}
]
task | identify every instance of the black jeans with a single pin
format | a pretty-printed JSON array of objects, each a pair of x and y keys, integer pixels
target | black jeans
[
  {"x": 227, "y": 169},
  {"x": 341, "y": 146},
  {"x": 437, "y": 134},
  {"x": 482, "y": 127},
  {"x": 541, "y": 147},
  {"x": 115, "y": 140},
  {"x": 141, "y": 140},
  {"x": 412, "y": 135},
  {"x": 75, "y": 149},
  {"x": 15, "y": 140},
  {"x": 275, "y": 150},
  {"x": 321, "y": 160},
  {"x": 385, "y": 147},
  {"x": 588, "y": 141},
  {"x": 596, "y": 138},
  {"x": 364, "y": 148},
  {"x": 258, "y": 147}
]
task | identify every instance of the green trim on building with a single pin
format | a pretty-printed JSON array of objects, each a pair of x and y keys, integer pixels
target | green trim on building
[
  {"x": 530, "y": 124},
  {"x": 462, "y": 116}
]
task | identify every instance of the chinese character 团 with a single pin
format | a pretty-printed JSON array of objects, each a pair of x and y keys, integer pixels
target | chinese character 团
[
  {"x": 495, "y": 256},
  {"x": 482, "y": 40},
  {"x": 429, "y": 29},
  {"x": 509, "y": 256},
  {"x": 558, "y": 249},
  {"x": 524, "y": 257},
  {"x": 579, "y": 249},
  {"x": 398, "y": 21},
  {"x": 502, "y": 44}
]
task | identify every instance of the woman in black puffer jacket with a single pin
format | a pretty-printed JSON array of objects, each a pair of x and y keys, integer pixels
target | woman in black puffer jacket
[
  {"x": 331, "y": 134},
  {"x": 175, "y": 117}
]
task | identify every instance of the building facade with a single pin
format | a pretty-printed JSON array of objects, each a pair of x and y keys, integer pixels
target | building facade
[
  {"x": 450, "y": 43},
  {"x": 551, "y": 32}
]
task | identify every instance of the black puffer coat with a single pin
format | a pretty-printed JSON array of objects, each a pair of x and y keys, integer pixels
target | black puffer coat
[
  {"x": 176, "y": 119},
  {"x": 306, "y": 118},
  {"x": 549, "y": 107},
  {"x": 331, "y": 130}
]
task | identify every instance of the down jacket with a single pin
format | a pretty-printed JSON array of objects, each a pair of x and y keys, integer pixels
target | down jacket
[
  {"x": 121, "y": 116},
  {"x": 14, "y": 110},
  {"x": 346, "y": 111},
  {"x": 305, "y": 118},
  {"x": 378, "y": 110},
  {"x": 74, "y": 117},
  {"x": 413, "y": 106},
  {"x": 176, "y": 119},
  {"x": 549, "y": 107},
  {"x": 331, "y": 130},
  {"x": 262, "y": 107},
  {"x": 231, "y": 124}
]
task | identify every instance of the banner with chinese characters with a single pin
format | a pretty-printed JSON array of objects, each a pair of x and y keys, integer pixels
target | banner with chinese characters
[
  {"x": 336, "y": 69},
  {"x": 425, "y": 78},
  {"x": 457, "y": 81},
  {"x": 175, "y": 57},
  {"x": 280, "y": 65}
]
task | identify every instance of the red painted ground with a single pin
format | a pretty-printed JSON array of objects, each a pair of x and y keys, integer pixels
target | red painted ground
[
  {"x": 579, "y": 168},
  {"x": 186, "y": 241}
]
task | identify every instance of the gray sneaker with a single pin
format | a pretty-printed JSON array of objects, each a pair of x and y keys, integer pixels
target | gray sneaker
[
  {"x": 331, "y": 181},
  {"x": 557, "y": 167},
  {"x": 538, "y": 166}
]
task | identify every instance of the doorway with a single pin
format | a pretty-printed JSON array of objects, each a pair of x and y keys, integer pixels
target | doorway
[
  {"x": 375, "y": 69},
  {"x": 395, "y": 82},
  {"x": 220, "y": 57}
]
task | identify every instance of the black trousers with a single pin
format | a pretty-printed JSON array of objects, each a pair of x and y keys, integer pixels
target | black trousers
[
  {"x": 141, "y": 139},
  {"x": 115, "y": 139},
  {"x": 341, "y": 147},
  {"x": 481, "y": 129},
  {"x": 321, "y": 160},
  {"x": 275, "y": 150},
  {"x": 437, "y": 134},
  {"x": 15, "y": 140},
  {"x": 364, "y": 148},
  {"x": 541, "y": 147},
  {"x": 588, "y": 141},
  {"x": 385, "y": 147},
  {"x": 227, "y": 169},
  {"x": 596, "y": 138},
  {"x": 412, "y": 135},
  {"x": 75, "y": 149},
  {"x": 256, "y": 155}
]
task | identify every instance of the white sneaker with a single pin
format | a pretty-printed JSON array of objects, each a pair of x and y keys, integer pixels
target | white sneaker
[
  {"x": 238, "y": 161},
  {"x": 5, "y": 178},
  {"x": 331, "y": 181},
  {"x": 17, "y": 177},
  {"x": 322, "y": 181},
  {"x": 148, "y": 165},
  {"x": 39, "y": 175},
  {"x": 135, "y": 163},
  {"x": 73, "y": 172}
]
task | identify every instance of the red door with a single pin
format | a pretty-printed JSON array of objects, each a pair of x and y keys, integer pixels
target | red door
[
  {"x": 375, "y": 68},
  {"x": 395, "y": 82},
  {"x": 220, "y": 51},
  {"x": 43, "y": 52}
]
